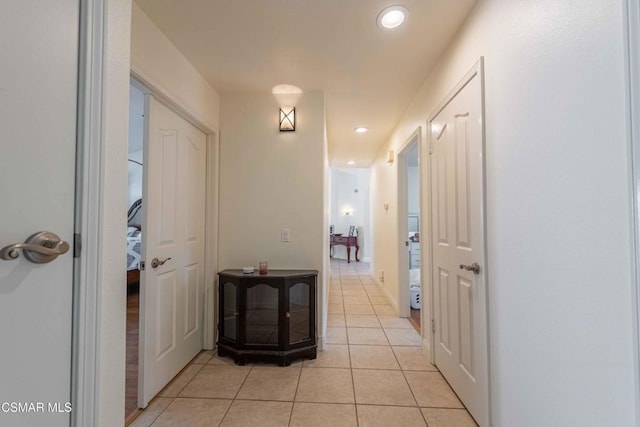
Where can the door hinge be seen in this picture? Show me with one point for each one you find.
(433, 325)
(141, 266)
(77, 245)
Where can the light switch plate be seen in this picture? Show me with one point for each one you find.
(284, 235)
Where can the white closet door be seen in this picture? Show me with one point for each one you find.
(460, 295)
(171, 319)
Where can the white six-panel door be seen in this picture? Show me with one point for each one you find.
(173, 231)
(38, 92)
(458, 241)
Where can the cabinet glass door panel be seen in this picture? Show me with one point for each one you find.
(261, 315)
(229, 322)
(299, 312)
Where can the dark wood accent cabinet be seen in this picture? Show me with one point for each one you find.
(267, 317)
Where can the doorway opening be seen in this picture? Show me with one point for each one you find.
(134, 244)
(349, 232)
(171, 233)
(409, 231)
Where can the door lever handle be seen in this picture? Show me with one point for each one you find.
(155, 263)
(475, 267)
(39, 248)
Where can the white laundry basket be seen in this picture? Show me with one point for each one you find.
(415, 297)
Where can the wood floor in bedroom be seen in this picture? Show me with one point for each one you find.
(133, 328)
(414, 318)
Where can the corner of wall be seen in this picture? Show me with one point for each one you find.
(112, 299)
(159, 63)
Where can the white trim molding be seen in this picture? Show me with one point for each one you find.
(85, 384)
(632, 41)
(212, 242)
(402, 275)
(147, 85)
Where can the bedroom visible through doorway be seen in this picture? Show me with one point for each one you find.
(413, 233)
(134, 245)
(350, 229)
(410, 230)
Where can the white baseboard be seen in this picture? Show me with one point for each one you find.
(322, 343)
(392, 302)
(426, 348)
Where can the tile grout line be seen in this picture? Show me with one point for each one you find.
(161, 412)
(173, 398)
(295, 395)
(411, 390)
(409, 385)
(236, 395)
(353, 381)
(189, 382)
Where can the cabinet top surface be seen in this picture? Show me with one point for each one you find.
(270, 273)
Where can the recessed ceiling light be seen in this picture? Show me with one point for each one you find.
(392, 17)
(360, 129)
(351, 163)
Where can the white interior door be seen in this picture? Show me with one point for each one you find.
(172, 294)
(38, 90)
(460, 295)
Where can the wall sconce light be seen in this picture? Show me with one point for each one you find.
(348, 211)
(390, 156)
(287, 119)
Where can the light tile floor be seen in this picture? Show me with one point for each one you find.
(373, 373)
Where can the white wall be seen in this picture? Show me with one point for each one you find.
(136, 136)
(133, 41)
(413, 189)
(557, 189)
(270, 180)
(344, 198)
(157, 60)
(344, 183)
(323, 297)
(136, 131)
(134, 177)
(111, 348)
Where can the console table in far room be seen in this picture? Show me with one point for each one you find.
(347, 241)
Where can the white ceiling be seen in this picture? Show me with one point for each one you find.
(369, 75)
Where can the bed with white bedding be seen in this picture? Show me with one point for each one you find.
(134, 242)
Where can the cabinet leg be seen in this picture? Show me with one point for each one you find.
(348, 254)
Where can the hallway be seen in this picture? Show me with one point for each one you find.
(373, 373)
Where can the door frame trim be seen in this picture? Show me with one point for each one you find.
(147, 85)
(632, 83)
(403, 296)
(86, 337)
(476, 70)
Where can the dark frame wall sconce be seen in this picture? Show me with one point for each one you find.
(287, 119)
